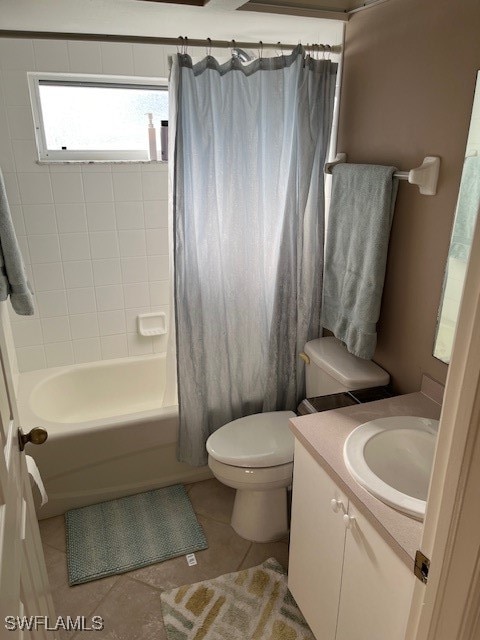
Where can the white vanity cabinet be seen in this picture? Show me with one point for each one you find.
(348, 583)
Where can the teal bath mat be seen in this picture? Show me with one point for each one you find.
(128, 533)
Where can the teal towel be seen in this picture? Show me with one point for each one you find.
(467, 208)
(13, 279)
(361, 213)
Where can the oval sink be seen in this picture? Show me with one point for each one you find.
(392, 458)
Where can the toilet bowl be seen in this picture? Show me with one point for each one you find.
(254, 455)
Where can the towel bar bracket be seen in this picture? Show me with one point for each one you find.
(425, 176)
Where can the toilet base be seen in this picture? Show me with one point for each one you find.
(260, 516)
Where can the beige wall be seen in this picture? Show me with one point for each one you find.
(408, 84)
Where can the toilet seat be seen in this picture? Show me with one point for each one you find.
(256, 441)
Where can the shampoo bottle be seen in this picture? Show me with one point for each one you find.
(152, 138)
(164, 139)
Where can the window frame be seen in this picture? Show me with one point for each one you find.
(48, 156)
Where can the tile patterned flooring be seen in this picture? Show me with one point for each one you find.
(130, 603)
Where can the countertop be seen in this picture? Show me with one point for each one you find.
(324, 434)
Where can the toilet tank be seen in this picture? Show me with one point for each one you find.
(332, 369)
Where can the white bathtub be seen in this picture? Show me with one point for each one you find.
(109, 434)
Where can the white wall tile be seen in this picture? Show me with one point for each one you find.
(59, 354)
(111, 322)
(156, 214)
(85, 57)
(132, 243)
(27, 333)
(71, 218)
(148, 60)
(17, 219)
(110, 298)
(131, 318)
(154, 187)
(107, 272)
(75, 246)
(157, 242)
(101, 216)
(20, 121)
(16, 54)
(159, 293)
(31, 358)
(25, 156)
(134, 270)
(139, 345)
(136, 295)
(81, 300)
(52, 303)
(87, 350)
(127, 187)
(160, 344)
(104, 244)
(35, 188)
(51, 55)
(158, 268)
(67, 187)
(55, 329)
(78, 274)
(44, 248)
(114, 346)
(15, 88)
(12, 188)
(117, 58)
(129, 215)
(39, 219)
(84, 325)
(98, 187)
(49, 276)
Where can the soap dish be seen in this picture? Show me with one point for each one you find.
(152, 324)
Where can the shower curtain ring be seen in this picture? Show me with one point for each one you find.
(180, 44)
(260, 50)
(185, 45)
(233, 47)
(208, 48)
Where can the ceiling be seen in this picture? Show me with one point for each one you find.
(329, 9)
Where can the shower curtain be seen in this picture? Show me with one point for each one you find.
(249, 144)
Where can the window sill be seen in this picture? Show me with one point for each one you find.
(67, 162)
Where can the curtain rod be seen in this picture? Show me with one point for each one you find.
(192, 42)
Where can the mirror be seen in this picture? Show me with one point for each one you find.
(464, 224)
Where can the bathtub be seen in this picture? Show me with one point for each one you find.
(109, 433)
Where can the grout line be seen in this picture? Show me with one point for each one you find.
(245, 556)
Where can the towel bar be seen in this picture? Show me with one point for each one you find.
(425, 176)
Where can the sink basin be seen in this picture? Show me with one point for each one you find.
(392, 459)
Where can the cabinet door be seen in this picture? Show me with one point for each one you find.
(377, 587)
(317, 541)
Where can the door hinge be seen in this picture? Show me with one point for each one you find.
(422, 566)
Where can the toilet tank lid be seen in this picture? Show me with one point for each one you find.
(332, 356)
(259, 440)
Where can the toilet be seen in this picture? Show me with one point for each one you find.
(254, 455)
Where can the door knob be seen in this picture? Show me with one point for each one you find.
(37, 435)
(348, 521)
(336, 505)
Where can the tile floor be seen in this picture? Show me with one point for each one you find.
(130, 603)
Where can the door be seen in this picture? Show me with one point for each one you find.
(317, 541)
(24, 588)
(377, 586)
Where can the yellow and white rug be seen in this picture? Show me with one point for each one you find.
(254, 604)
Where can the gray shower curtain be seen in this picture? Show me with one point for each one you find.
(248, 202)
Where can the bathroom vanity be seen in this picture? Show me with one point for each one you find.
(351, 555)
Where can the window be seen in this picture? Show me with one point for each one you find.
(88, 118)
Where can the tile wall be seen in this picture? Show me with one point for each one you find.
(93, 236)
